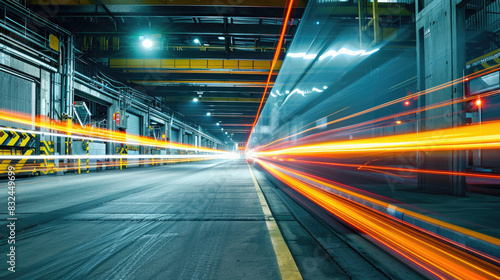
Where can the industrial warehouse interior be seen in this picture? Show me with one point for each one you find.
(250, 139)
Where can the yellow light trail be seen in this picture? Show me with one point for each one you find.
(401, 99)
(30, 167)
(480, 136)
(438, 257)
(97, 134)
(402, 169)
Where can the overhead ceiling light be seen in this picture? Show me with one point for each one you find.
(226, 132)
(222, 38)
(196, 41)
(221, 128)
(195, 99)
(147, 43)
(217, 124)
(208, 114)
(317, 23)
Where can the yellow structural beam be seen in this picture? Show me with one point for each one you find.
(197, 71)
(138, 63)
(249, 83)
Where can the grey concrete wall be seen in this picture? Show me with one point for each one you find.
(441, 57)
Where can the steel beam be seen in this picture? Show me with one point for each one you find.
(118, 11)
(247, 3)
(164, 28)
(185, 53)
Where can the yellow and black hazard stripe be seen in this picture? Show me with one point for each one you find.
(87, 146)
(47, 148)
(22, 166)
(483, 62)
(17, 139)
(17, 143)
(123, 151)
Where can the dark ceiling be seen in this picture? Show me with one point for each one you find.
(217, 51)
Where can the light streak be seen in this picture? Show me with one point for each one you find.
(88, 133)
(426, 250)
(334, 53)
(273, 63)
(19, 157)
(401, 99)
(484, 136)
(73, 166)
(401, 169)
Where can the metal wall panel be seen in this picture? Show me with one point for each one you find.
(17, 95)
(133, 128)
(175, 135)
(133, 124)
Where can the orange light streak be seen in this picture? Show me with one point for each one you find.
(484, 136)
(411, 96)
(436, 256)
(104, 134)
(409, 170)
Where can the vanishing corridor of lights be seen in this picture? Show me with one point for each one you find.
(438, 257)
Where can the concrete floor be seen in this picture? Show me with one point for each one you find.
(188, 221)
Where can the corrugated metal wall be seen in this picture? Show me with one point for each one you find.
(18, 95)
(133, 128)
(133, 124)
(175, 135)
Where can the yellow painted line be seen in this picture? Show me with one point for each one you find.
(485, 65)
(288, 267)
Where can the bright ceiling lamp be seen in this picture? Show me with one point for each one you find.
(147, 43)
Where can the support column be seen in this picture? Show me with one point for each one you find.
(441, 58)
(181, 135)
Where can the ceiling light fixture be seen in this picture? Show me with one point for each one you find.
(147, 43)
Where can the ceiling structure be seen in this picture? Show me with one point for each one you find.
(216, 52)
